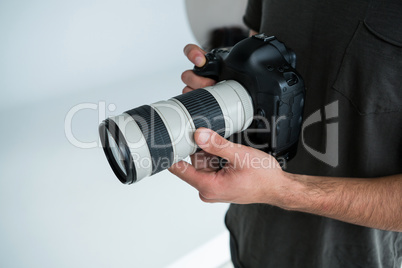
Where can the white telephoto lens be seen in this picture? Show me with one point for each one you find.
(153, 137)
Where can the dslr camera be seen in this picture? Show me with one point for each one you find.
(258, 101)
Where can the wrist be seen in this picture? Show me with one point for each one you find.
(292, 194)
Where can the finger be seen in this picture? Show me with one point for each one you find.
(195, 54)
(189, 174)
(215, 144)
(195, 81)
(206, 200)
(203, 199)
(205, 161)
(187, 89)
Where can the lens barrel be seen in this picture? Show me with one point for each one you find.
(151, 138)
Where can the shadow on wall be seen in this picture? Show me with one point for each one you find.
(217, 23)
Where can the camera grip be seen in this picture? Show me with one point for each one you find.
(211, 68)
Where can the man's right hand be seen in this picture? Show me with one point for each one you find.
(196, 55)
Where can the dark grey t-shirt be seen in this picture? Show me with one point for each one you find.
(350, 55)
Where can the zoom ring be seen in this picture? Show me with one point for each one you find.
(204, 110)
(156, 136)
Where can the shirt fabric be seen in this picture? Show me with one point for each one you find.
(350, 56)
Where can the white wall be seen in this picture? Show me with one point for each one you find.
(52, 47)
(60, 205)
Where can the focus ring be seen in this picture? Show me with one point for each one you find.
(156, 136)
(204, 110)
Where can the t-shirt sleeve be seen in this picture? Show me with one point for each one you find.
(252, 17)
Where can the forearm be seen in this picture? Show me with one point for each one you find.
(375, 203)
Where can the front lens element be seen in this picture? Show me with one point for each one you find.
(117, 153)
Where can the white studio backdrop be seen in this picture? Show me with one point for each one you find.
(61, 205)
(49, 48)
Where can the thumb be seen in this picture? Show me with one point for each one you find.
(211, 142)
(195, 54)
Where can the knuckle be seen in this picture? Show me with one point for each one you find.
(219, 143)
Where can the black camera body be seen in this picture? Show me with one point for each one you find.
(265, 67)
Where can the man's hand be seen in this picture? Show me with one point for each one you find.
(241, 179)
(249, 175)
(196, 55)
(252, 176)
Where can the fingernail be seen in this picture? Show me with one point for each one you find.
(203, 137)
(199, 61)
